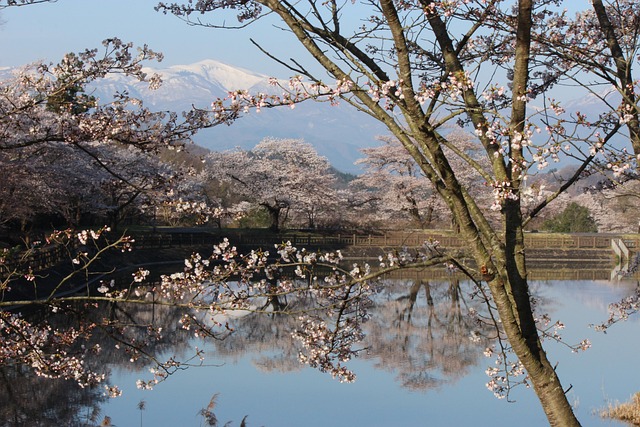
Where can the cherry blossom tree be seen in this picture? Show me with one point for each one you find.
(49, 103)
(134, 179)
(399, 183)
(24, 193)
(614, 209)
(47, 113)
(394, 185)
(58, 180)
(281, 175)
(417, 66)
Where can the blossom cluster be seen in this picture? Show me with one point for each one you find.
(502, 191)
(621, 310)
(203, 211)
(237, 102)
(404, 256)
(504, 375)
(390, 91)
(84, 235)
(328, 349)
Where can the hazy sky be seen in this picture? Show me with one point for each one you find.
(48, 31)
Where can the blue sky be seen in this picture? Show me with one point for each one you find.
(48, 31)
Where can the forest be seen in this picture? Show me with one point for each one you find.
(279, 184)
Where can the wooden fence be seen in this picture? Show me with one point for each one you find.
(390, 239)
(534, 273)
(35, 259)
(396, 239)
(40, 259)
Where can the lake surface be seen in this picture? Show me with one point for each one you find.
(421, 368)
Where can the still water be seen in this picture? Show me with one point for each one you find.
(421, 368)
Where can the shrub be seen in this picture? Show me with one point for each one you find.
(574, 219)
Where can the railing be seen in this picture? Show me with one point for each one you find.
(533, 274)
(40, 259)
(532, 240)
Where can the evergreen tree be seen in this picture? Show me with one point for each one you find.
(574, 219)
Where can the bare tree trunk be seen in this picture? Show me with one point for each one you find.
(274, 216)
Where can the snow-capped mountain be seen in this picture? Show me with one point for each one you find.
(593, 104)
(338, 133)
(185, 85)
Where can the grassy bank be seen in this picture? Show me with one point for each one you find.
(628, 412)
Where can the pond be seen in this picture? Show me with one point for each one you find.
(421, 368)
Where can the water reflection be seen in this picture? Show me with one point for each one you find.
(121, 337)
(419, 331)
(31, 401)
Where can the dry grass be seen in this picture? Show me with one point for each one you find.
(628, 412)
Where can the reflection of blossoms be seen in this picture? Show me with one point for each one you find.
(420, 329)
(35, 351)
(113, 391)
(209, 293)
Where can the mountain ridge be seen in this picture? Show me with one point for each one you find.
(337, 133)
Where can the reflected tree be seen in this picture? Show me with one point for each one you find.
(422, 330)
(31, 400)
